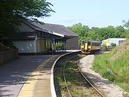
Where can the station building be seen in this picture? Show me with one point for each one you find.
(71, 42)
(116, 41)
(38, 37)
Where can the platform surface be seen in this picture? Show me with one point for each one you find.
(39, 83)
(14, 75)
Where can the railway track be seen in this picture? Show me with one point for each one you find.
(85, 81)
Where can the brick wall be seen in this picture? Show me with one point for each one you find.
(6, 56)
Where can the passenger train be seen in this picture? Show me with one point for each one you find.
(90, 46)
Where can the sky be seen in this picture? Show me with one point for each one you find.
(94, 13)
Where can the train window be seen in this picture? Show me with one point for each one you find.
(83, 42)
(96, 44)
(89, 43)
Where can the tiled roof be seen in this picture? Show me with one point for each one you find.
(60, 29)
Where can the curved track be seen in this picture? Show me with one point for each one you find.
(69, 94)
(87, 80)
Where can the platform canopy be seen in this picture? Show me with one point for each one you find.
(55, 29)
(30, 30)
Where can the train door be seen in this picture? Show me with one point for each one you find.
(82, 45)
(86, 46)
(89, 46)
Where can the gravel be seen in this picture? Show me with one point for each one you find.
(107, 87)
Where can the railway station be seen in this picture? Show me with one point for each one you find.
(51, 63)
(40, 45)
(54, 48)
(37, 37)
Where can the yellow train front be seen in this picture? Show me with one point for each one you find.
(90, 46)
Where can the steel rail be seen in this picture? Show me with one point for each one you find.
(83, 75)
(64, 76)
(53, 91)
(87, 80)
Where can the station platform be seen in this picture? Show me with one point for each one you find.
(68, 51)
(28, 76)
(38, 84)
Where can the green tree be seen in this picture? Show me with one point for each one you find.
(81, 30)
(120, 32)
(13, 11)
(126, 24)
(95, 33)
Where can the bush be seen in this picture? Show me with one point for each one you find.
(113, 45)
(109, 74)
(6, 46)
(115, 65)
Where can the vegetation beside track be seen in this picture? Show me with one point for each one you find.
(95, 33)
(77, 85)
(3, 47)
(115, 65)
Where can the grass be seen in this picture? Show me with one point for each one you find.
(76, 83)
(115, 65)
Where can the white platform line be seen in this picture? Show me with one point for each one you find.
(53, 92)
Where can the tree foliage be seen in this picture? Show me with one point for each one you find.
(80, 29)
(12, 12)
(95, 33)
(126, 24)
